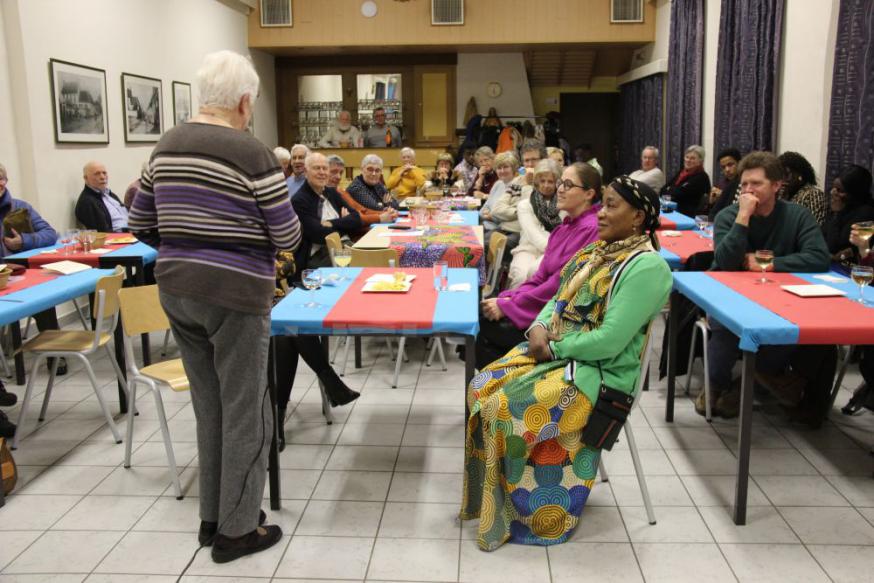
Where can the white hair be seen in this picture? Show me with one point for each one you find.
(409, 151)
(282, 154)
(224, 78)
(296, 147)
(312, 158)
(655, 151)
(335, 160)
(371, 159)
(699, 150)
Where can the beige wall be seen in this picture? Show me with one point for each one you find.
(166, 39)
(548, 98)
(487, 22)
(476, 70)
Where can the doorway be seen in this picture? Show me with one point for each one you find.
(593, 118)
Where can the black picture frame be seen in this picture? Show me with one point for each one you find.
(79, 107)
(181, 100)
(142, 108)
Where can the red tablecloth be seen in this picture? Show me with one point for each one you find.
(30, 278)
(686, 245)
(411, 310)
(92, 259)
(815, 317)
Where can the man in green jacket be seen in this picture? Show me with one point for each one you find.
(759, 220)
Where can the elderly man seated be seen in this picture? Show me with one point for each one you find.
(649, 172)
(321, 211)
(407, 179)
(368, 190)
(98, 207)
(380, 134)
(342, 134)
(336, 168)
(298, 174)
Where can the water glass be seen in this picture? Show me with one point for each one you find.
(441, 275)
(312, 280)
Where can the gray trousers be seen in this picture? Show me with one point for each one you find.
(225, 356)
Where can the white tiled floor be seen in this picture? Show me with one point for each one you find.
(374, 496)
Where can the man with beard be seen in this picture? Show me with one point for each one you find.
(342, 134)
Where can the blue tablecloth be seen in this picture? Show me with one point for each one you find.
(454, 313)
(133, 251)
(469, 218)
(49, 294)
(754, 324)
(683, 222)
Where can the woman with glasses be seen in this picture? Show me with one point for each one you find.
(368, 189)
(540, 415)
(504, 319)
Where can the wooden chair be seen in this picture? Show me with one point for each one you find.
(495, 257)
(77, 344)
(333, 243)
(141, 313)
(434, 195)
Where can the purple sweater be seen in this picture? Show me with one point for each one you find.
(523, 304)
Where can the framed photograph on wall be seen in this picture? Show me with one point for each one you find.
(79, 103)
(181, 102)
(143, 112)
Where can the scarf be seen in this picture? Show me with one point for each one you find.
(585, 281)
(685, 174)
(546, 210)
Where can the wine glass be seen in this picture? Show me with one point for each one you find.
(764, 258)
(865, 229)
(312, 280)
(862, 276)
(66, 237)
(90, 237)
(703, 224)
(342, 258)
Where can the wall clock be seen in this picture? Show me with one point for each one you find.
(368, 9)
(494, 89)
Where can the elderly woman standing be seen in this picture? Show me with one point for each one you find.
(538, 216)
(230, 211)
(407, 179)
(367, 189)
(534, 435)
(691, 184)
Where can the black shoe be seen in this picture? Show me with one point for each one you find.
(262, 538)
(280, 418)
(208, 529)
(7, 399)
(62, 366)
(7, 427)
(337, 391)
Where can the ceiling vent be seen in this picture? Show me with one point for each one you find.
(447, 12)
(626, 11)
(275, 13)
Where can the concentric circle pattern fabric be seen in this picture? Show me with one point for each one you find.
(527, 473)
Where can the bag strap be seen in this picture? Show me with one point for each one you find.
(622, 267)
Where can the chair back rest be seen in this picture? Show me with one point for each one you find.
(333, 242)
(141, 311)
(110, 285)
(373, 257)
(645, 354)
(434, 195)
(497, 244)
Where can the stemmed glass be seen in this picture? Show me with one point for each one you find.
(342, 258)
(312, 280)
(90, 237)
(862, 276)
(765, 259)
(66, 238)
(703, 224)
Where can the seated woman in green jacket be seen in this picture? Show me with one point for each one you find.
(528, 471)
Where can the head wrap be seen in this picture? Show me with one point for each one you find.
(642, 197)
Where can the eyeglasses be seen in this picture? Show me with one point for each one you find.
(371, 170)
(567, 185)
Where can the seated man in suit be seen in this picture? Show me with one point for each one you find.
(798, 376)
(321, 211)
(98, 207)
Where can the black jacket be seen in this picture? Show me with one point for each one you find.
(725, 199)
(307, 205)
(690, 194)
(92, 213)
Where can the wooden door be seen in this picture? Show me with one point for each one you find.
(435, 105)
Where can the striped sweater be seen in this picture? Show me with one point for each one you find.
(220, 204)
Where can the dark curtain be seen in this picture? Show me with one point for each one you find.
(851, 124)
(685, 82)
(747, 73)
(641, 105)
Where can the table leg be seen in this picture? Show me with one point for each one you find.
(672, 331)
(20, 377)
(358, 352)
(744, 437)
(273, 457)
(144, 338)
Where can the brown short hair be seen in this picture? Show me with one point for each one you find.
(767, 161)
(588, 177)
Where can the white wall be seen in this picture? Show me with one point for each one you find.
(476, 70)
(165, 39)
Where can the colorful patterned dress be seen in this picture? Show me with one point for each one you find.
(527, 472)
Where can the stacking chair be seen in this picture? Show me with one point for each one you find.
(434, 195)
(80, 344)
(377, 258)
(629, 433)
(141, 313)
(333, 243)
(702, 328)
(495, 256)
